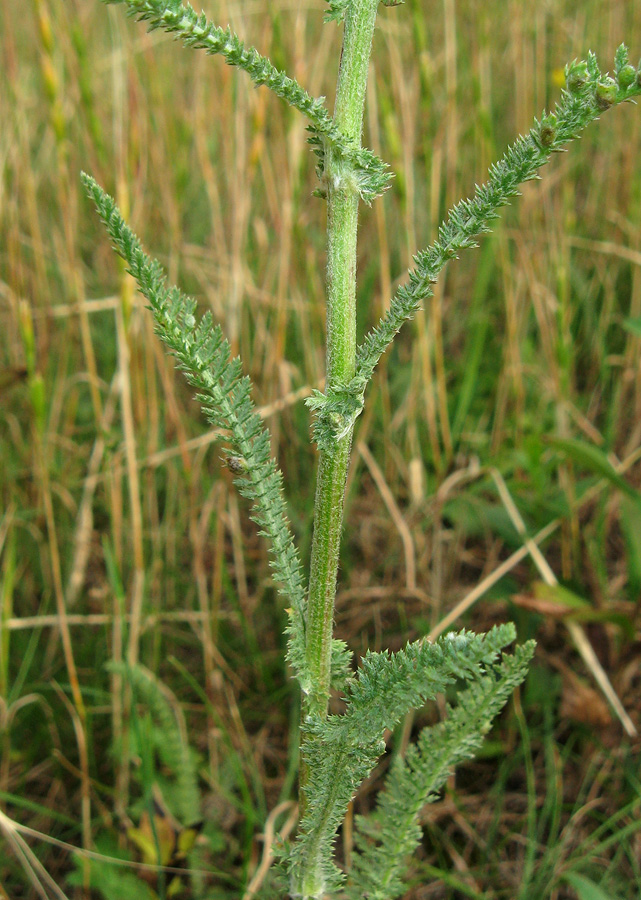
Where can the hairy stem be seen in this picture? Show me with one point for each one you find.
(342, 223)
(342, 226)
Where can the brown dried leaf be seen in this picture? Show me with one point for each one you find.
(582, 703)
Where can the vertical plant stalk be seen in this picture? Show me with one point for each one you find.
(42, 463)
(67, 195)
(342, 227)
(342, 224)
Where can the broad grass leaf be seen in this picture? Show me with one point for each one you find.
(586, 889)
(631, 528)
(633, 326)
(590, 457)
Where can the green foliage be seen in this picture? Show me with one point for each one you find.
(578, 107)
(336, 412)
(342, 750)
(586, 889)
(368, 171)
(590, 457)
(386, 838)
(336, 12)
(338, 8)
(174, 748)
(588, 94)
(110, 881)
(224, 392)
(339, 751)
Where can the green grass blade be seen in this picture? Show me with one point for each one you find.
(590, 457)
(586, 889)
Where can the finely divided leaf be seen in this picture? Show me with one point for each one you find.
(371, 175)
(224, 392)
(176, 752)
(341, 751)
(388, 836)
(336, 11)
(588, 95)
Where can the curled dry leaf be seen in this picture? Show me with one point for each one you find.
(582, 703)
(542, 605)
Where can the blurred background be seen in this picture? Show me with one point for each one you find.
(143, 688)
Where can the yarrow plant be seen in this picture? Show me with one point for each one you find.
(339, 751)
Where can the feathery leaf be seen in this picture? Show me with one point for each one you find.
(336, 11)
(341, 750)
(587, 95)
(176, 753)
(224, 392)
(388, 836)
(368, 173)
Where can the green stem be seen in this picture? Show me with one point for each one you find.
(342, 224)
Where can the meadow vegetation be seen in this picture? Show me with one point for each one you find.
(496, 470)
